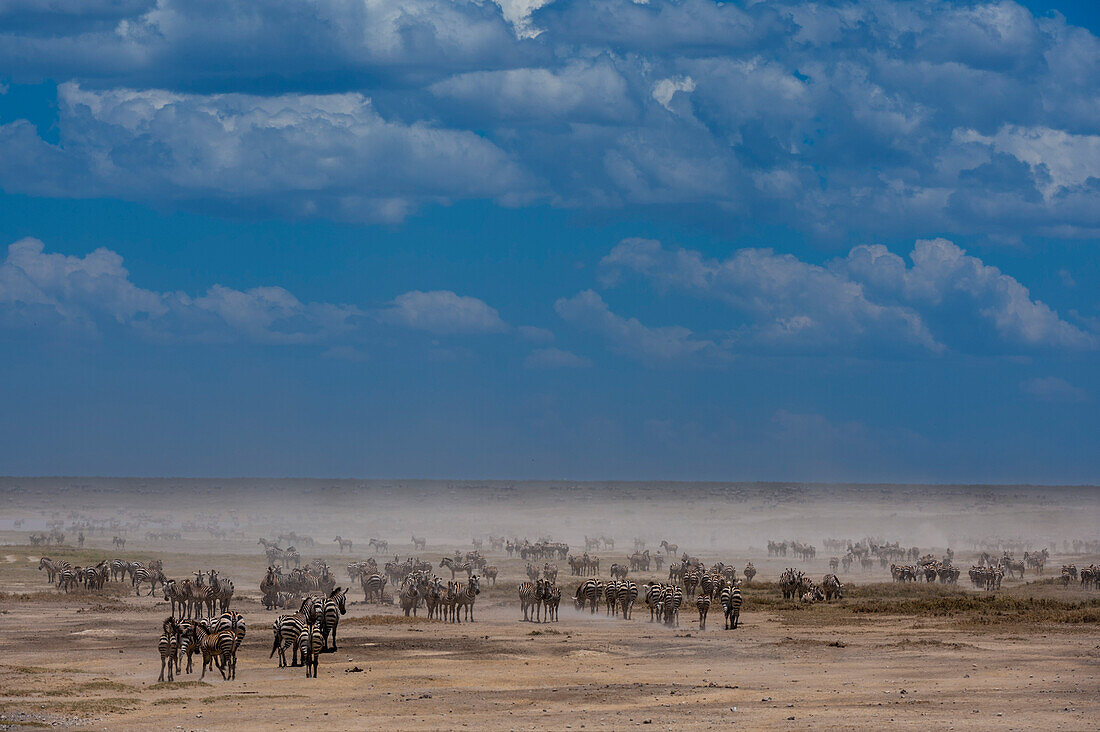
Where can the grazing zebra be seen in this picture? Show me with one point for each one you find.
(118, 569)
(168, 645)
(587, 592)
(373, 585)
(530, 597)
(344, 543)
(419, 544)
(311, 643)
(731, 606)
(702, 604)
(628, 594)
(380, 546)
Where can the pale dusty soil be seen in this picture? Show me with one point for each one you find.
(92, 662)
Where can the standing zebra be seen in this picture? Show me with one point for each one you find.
(334, 606)
(731, 606)
(702, 604)
(373, 585)
(463, 596)
(168, 645)
(311, 643)
(628, 594)
(287, 630)
(530, 596)
(587, 592)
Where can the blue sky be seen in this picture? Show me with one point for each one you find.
(529, 239)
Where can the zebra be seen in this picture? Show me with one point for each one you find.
(218, 648)
(287, 630)
(530, 595)
(380, 546)
(670, 549)
(652, 599)
(168, 645)
(551, 598)
(832, 587)
(231, 621)
(671, 599)
(174, 595)
(702, 604)
(373, 584)
(409, 598)
(628, 593)
(731, 606)
(455, 566)
(333, 607)
(419, 544)
(343, 543)
(311, 643)
(587, 592)
(611, 597)
(463, 596)
(223, 590)
(51, 567)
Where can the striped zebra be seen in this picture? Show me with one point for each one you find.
(652, 599)
(611, 597)
(287, 630)
(118, 569)
(690, 581)
(231, 621)
(66, 578)
(168, 645)
(51, 567)
(731, 606)
(219, 649)
(702, 604)
(552, 599)
(334, 606)
(409, 598)
(174, 594)
(530, 599)
(628, 594)
(671, 599)
(373, 585)
(463, 597)
(588, 592)
(311, 643)
(187, 645)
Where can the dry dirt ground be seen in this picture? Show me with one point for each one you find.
(90, 661)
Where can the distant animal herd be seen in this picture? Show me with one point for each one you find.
(203, 622)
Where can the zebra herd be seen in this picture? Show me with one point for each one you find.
(797, 585)
(208, 592)
(805, 552)
(309, 632)
(54, 537)
(278, 590)
(217, 639)
(65, 576)
(1089, 576)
